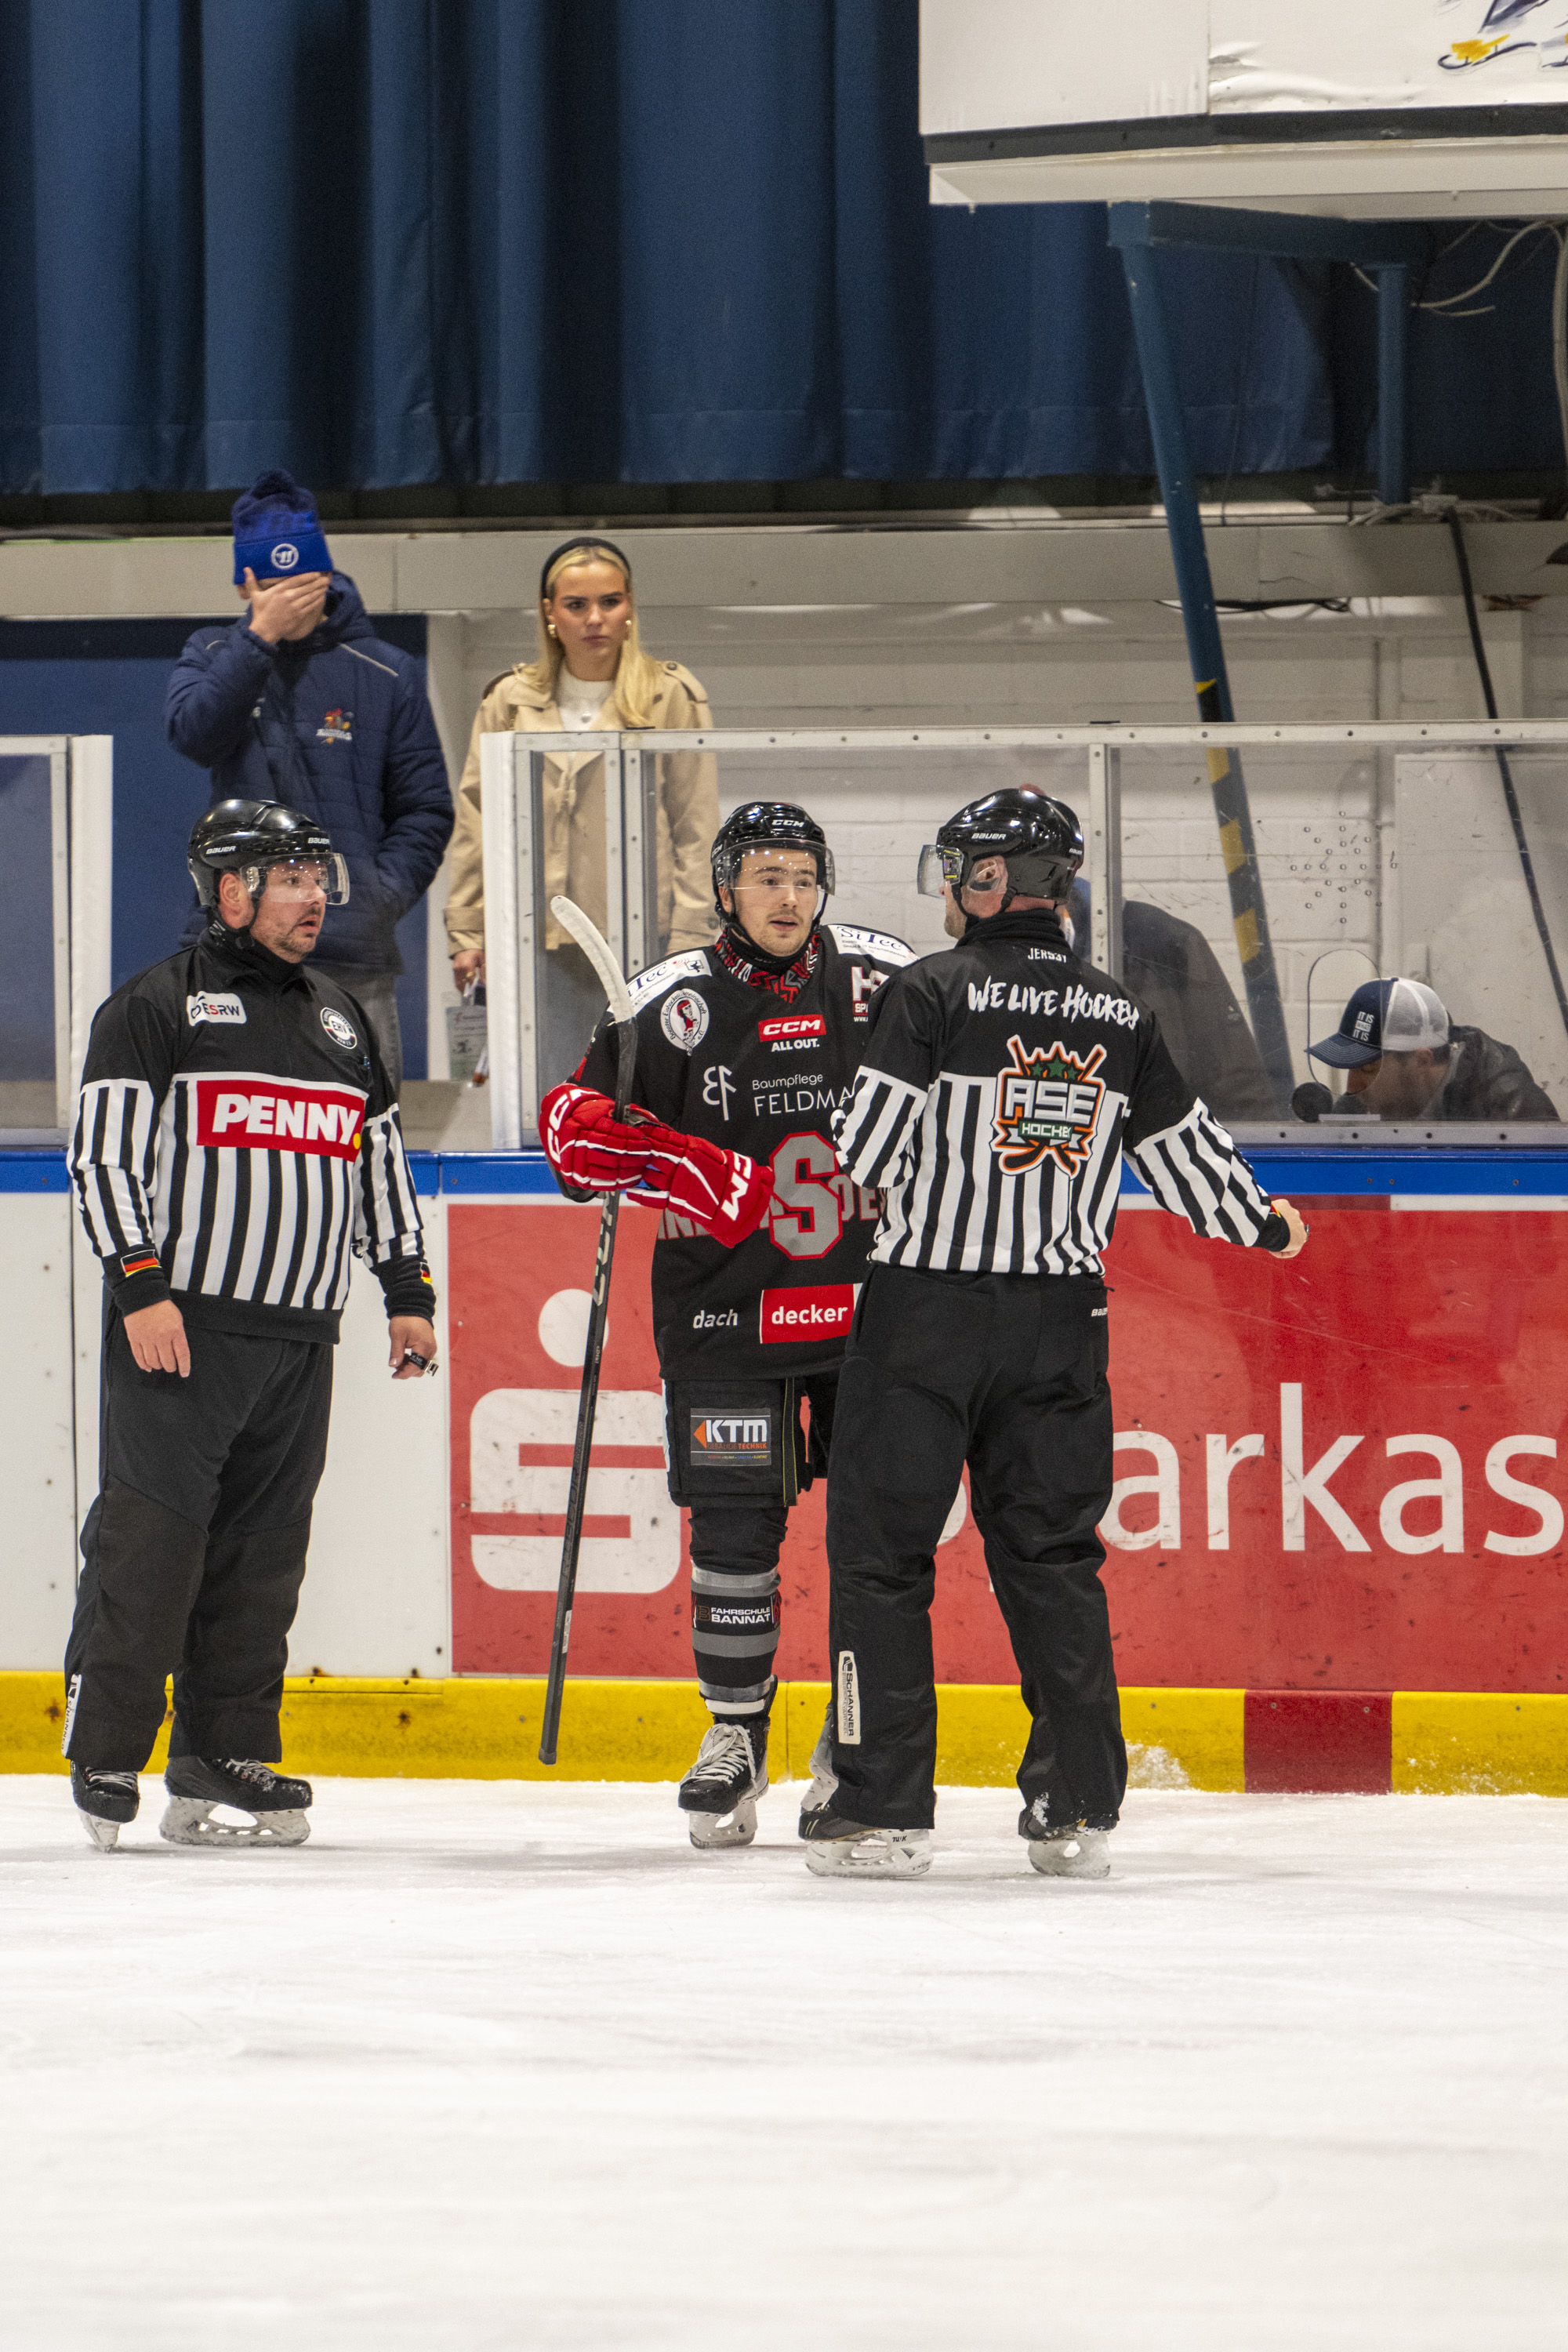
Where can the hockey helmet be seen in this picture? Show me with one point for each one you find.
(247, 838)
(769, 824)
(1039, 837)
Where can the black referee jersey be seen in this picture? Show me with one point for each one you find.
(236, 1138)
(1000, 1085)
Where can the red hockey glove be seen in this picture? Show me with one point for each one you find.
(722, 1192)
(587, 1145)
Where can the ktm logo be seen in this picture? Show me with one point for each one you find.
(1048, 1108)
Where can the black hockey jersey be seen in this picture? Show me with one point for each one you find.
(1000, 1086)
(761, 1073)
(235, 1137)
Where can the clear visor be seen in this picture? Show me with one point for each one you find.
(771, 876)
(937, 867)
(302, 877)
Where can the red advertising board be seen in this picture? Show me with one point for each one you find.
(1339, 1473)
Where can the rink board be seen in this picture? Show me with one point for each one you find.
(484, 1729)
(1339, 1474)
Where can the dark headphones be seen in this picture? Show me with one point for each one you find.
(589, 538)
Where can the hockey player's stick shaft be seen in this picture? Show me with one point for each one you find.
(625, 1063)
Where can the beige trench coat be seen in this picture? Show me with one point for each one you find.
(575, 816)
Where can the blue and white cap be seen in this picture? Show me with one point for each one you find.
(277, 531)
(1385, 1016)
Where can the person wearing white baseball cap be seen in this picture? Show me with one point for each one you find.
(1404, 1059)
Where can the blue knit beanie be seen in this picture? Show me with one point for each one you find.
(277, 531)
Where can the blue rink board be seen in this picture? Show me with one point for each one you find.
(1347, 1171)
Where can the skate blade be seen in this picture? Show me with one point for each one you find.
(1086, 1855)
(188, 1822)
(105, 1835)
(712, 1831)
(876, 1853)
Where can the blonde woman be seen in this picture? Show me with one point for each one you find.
(591, 672)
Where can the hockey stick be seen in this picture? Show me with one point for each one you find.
(597, 949)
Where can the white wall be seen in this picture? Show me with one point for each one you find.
(37, 1473)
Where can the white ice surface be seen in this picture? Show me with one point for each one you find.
(496, 2066)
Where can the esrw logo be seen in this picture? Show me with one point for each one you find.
(1048, 1108)
(336, 726)
(732, 1437)
(202, 1007)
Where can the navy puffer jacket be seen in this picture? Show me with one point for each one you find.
(338, 727)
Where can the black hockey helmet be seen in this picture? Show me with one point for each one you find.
(768, 824)
(1039, 837)
(246, 837)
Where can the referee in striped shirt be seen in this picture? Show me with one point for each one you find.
(1000, 1086)
(237, 1141)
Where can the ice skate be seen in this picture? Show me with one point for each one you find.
(823, 1779)
(836, 1847)
(196, 1784)
(721, 1792)
(106, 1801)
(1065, 1850)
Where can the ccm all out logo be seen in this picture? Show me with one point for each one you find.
(269, 1114)
(792, 1029)
(1048, 1108)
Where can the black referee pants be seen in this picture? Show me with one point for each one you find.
(1006, 1372)
(194, 1550)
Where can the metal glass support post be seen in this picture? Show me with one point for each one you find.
(1105, 857)
(1205, 652)
(1394, 384)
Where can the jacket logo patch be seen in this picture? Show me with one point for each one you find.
(337, 727)
(684, 1019)
(338, 1029)
(202, 1007)
(270, 1115)
(1048, 1108)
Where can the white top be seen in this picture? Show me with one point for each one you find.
(580, 699)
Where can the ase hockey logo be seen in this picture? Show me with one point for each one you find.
(1048, 1108)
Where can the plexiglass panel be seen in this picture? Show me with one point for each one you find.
(28, 1027)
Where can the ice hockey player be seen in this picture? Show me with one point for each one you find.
(1000, 1086)
(745, 1050)
(236, 1135)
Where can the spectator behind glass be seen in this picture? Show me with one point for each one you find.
(1171, 968)
(1404, 1059)
(591, 672)
(302, 702)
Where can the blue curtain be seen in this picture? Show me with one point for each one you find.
(388, 242)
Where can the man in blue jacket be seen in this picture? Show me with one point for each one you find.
(302, 702)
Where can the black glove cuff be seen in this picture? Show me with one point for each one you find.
(1276, 1233)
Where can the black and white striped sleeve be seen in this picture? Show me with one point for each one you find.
(388, 1232)
(114, 1146)
(1196, 1171)
(872, 1129)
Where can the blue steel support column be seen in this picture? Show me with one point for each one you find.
(1206, 654)
(1393, 385)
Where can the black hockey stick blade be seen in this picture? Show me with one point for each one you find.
(600, 954)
